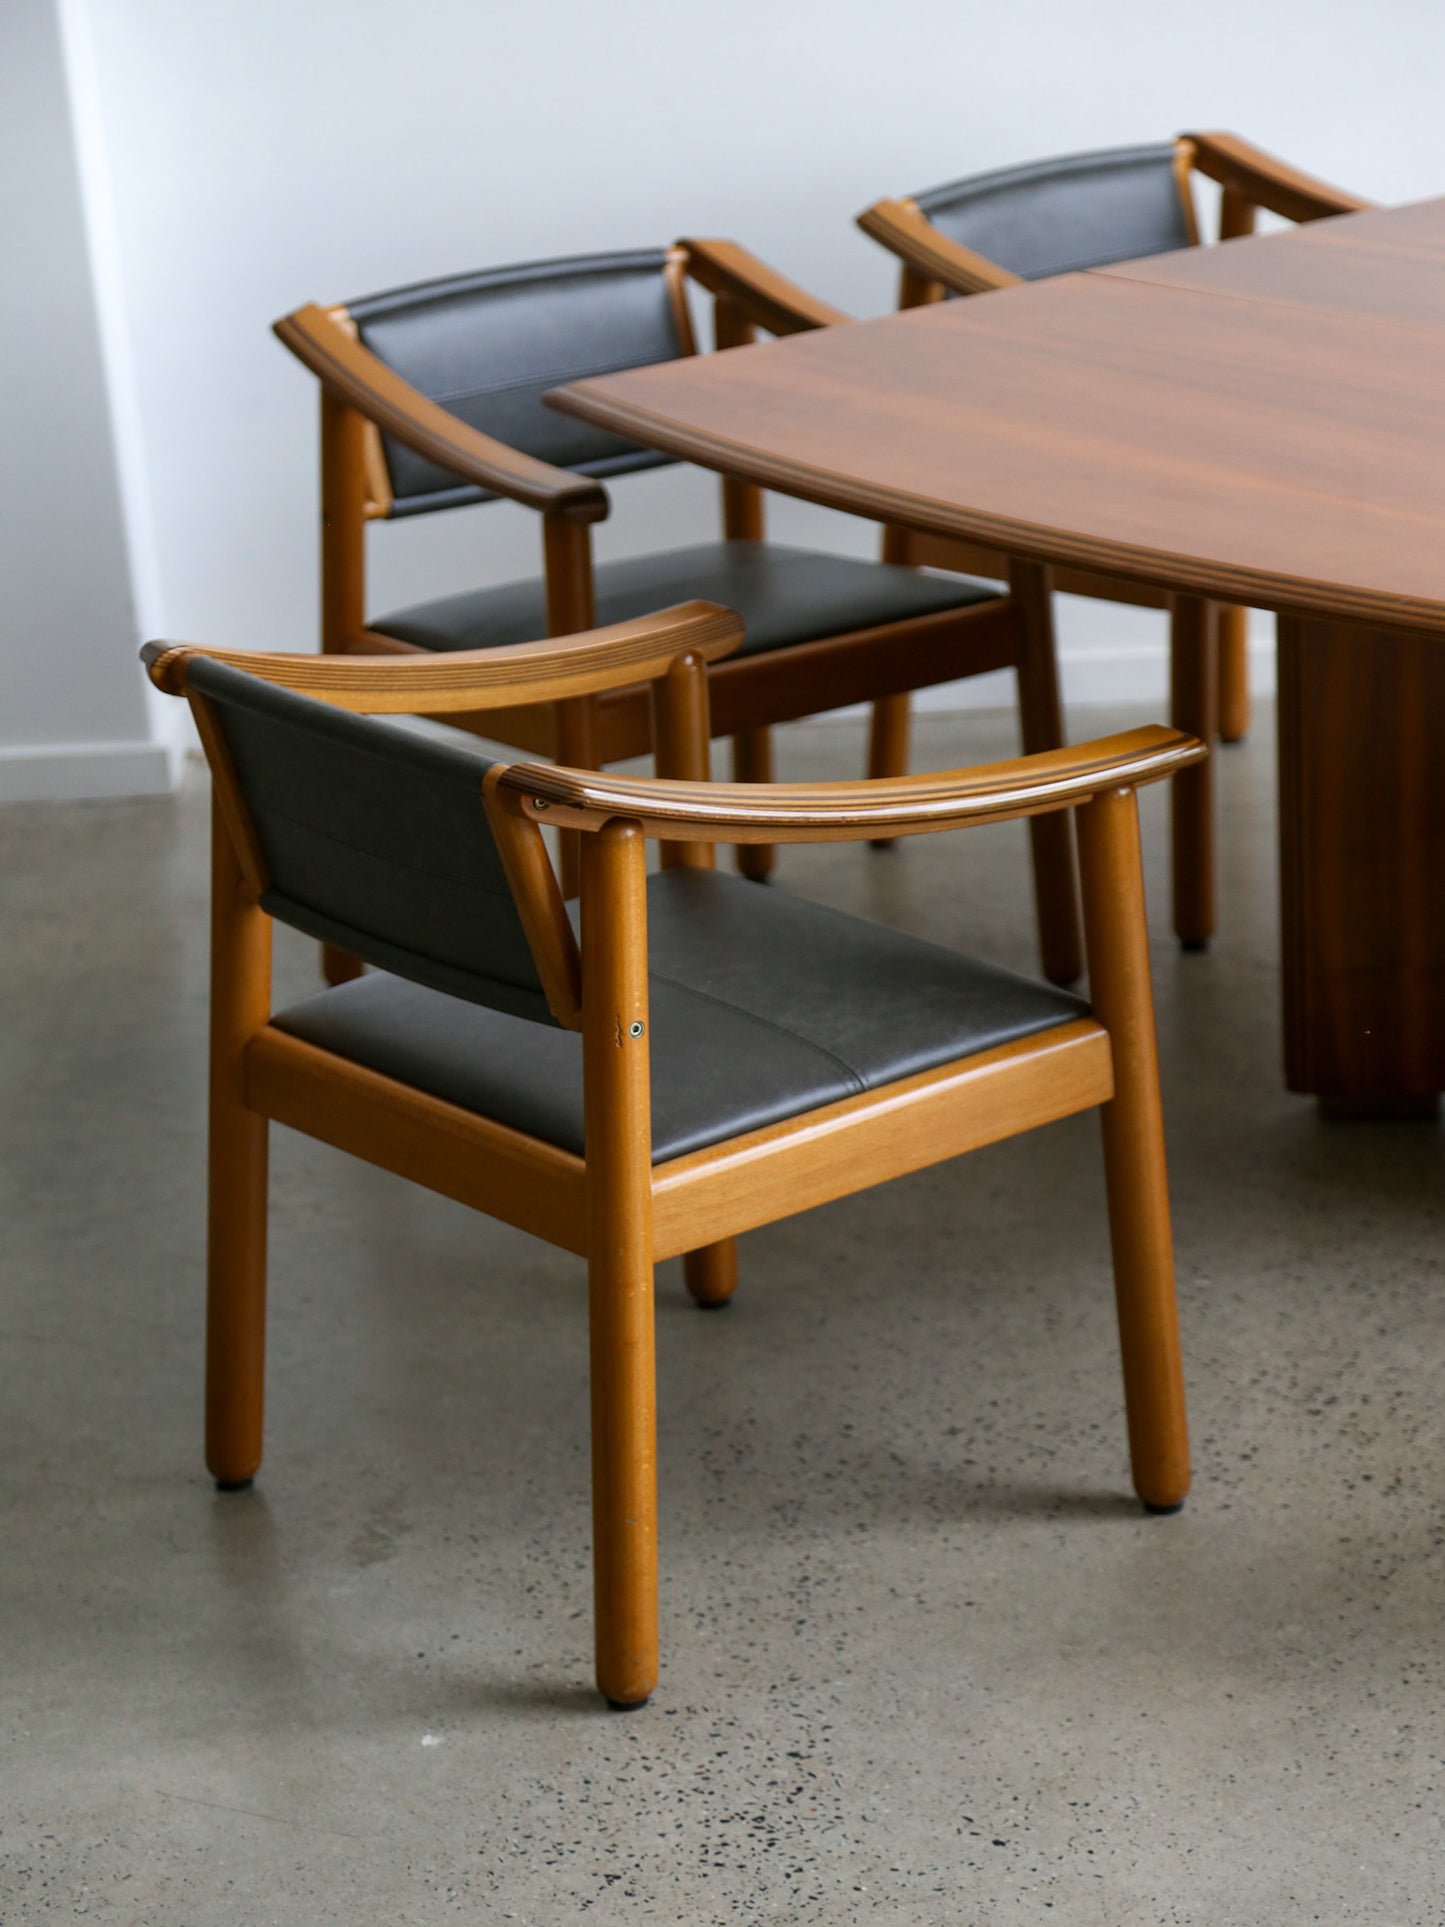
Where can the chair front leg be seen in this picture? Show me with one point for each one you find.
(1232, 645)
(891, 724)
(753, 763)
(888, 734)
(1041, 726)
(1133, 1128)
(619, 1261)
(236, 1212)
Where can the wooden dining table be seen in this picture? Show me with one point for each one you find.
(1258, 423)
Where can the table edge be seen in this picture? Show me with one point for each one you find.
(1186, 575)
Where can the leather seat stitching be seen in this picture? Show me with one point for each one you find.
(468, 887)
(771, 1023)
(964, 593)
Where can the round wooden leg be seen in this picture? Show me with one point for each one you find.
(711, 1273)
(1133, 1125)
(753, 763)
(888, 746)
(339, 966)
(1232, 642)
(619, 1266)
(1193, 705)
(1041, 725)
(236, 1204)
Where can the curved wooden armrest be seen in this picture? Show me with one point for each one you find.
(478, 679)
(357, 377)
(910, 235)
(849, 812)
(767, 298)
(1267, 182)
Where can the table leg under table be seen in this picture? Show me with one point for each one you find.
(1362, 866)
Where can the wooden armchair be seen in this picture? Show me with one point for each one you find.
(781, 1055)
(431, 397)
(1055, 217)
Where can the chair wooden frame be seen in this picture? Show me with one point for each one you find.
(361, 397)
(618, 1208)
(1209, 672)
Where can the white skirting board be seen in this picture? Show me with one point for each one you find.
(1109, 655)
(97, 772)
(85, 772)
(1128, 672)
(1098, 677)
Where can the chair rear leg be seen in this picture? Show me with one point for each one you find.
(1232, 643)
(236, 1300)
(1134, 1164)
(1041, 727)
(888, 736)
(344, 440)
(577, 749)
(711, 1273)
(753, 763)
(339, 966)
(1193, 705)
(236, 1227)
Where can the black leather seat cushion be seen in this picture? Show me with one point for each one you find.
(762, 1006)
(783, 595)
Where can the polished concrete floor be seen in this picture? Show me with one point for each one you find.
(924, 1659)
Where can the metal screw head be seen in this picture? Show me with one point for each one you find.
(635, 1029)
(540, 803)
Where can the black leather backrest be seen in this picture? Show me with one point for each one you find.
(376, 840)
(1054, 217)
(489, 346)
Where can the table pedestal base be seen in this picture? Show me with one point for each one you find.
(1362, 866)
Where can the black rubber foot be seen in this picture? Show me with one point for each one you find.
(1233, 742)
(1194, 944)
(234, 1485)
(626, 1706)
(712, 1304)
(1162, 1511)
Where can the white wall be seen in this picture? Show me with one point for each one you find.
(266, 153)
(74, 719)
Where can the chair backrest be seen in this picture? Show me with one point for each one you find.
(488, 346)
(374, 838)
(1080, 211)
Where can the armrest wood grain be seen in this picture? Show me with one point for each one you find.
(767, 298)
(1268, 182)
(904, 231)
(849, 812)
(364, 383)
(478, 679)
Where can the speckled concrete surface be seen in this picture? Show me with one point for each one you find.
(924, 1661)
